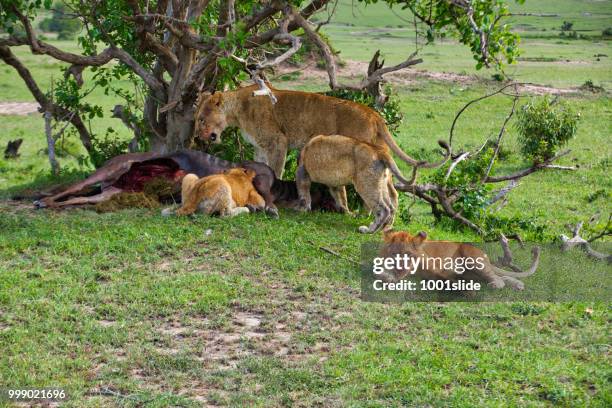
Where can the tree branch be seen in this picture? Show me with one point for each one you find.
(10, 59)
(40, 47)
(535, 167)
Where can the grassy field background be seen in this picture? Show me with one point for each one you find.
(133, 309)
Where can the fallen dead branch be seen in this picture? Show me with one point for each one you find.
(332, 252)
(577, 241)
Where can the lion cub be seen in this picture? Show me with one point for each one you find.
(433, 256)
(227, 194)
(337, 161)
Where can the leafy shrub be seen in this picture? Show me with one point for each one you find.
(465, 179)
(15, 29)
(104, 149)
(528, 227)
(544, 127)
(498, 77)
(567, 26)
(607, 32)
(390, 112)
(590, 86)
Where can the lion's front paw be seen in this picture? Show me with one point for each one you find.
(166, 212)
(302, 206)
(364, 230)
(272, 212)
(497, 284)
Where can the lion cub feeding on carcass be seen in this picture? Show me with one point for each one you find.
(337, 161)
(227, 194)
(432, 257)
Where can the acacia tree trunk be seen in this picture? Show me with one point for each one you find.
(179, 130)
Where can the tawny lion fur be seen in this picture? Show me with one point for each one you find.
(290, 123)
(337, 161)
(400, 242)
(226, 194)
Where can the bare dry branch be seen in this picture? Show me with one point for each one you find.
(500, 136)
(577, 241)
(473, 101)
(503, 192)
(10, 59)
(455, 162)
(535, 167)
(330, 62)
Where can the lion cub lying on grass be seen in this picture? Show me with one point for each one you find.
(337, 161)
(227, 194)
(435, 254)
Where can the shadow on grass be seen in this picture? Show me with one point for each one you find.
(42, 182)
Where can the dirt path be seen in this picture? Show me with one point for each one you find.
(352, 71)
(18, 108)
(355, 70)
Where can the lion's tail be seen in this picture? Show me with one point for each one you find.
(391, 165)
(388, 138)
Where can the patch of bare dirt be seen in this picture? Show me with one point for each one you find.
(246, 333)
(354, 71)
(16, 205)
(546, 90)
(107, 323)
(277, 328)
(18, 108)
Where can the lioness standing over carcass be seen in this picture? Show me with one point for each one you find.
(291, 122)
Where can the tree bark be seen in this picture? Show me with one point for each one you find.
(51, 143)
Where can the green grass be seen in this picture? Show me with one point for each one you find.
(136, 300)
(573, 61)
(133, 309)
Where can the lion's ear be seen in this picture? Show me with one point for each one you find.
(217, 98)
(201, 98)
(420, 238)
(251, 173)
(388, 235)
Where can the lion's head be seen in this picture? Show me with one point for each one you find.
(210, 120)
(402, 243)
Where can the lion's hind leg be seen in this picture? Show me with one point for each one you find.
(236, 211)
(303, 182)
(190, 194)
(373, 190)
(217, 198)
(339, 195)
